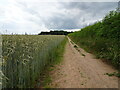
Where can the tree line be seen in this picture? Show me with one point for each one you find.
(55, 33)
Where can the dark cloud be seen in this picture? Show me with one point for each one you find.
(73, 14)
(61, 21)
(85, 12)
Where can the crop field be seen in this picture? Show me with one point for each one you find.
(25, 57)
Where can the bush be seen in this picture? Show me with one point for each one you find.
(101, 38)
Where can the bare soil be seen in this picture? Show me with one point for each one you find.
(80, 69)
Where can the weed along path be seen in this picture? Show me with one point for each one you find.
(80, 69)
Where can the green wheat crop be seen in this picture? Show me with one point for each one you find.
(24, 57)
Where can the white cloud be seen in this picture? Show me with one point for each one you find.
(33, 16)
(25, 16)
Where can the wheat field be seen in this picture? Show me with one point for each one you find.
(25, 57)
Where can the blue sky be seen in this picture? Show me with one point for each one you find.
(34, 16)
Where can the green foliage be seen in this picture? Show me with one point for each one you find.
(25, 57)
(101, 38)
(113, 74)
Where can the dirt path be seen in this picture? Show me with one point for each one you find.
(80, 69)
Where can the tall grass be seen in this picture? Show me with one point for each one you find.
(45, 77)
(25, 57)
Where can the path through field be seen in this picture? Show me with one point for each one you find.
(80, 69)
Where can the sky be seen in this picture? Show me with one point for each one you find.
(34, 16)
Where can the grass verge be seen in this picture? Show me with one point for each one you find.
(45, 77)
